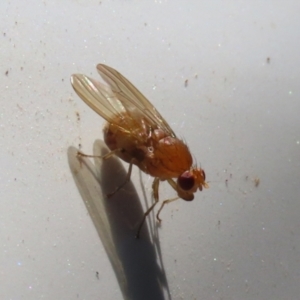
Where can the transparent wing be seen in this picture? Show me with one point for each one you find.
(131, 97)
(103, 101)
(120, 103)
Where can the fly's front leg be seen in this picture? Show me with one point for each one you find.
(173, 184)
(155, 186)
(162, 205)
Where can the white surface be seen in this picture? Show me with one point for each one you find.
(240, 116)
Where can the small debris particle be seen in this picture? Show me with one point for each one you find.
(256, 181)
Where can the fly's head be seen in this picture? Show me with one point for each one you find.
(189, 182)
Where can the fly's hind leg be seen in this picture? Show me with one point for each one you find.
(155, 186)
(106, 156)
(127, 178)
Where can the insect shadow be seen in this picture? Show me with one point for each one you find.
(137, 264)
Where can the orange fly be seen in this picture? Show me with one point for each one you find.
(137, 133)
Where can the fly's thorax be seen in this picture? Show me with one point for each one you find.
(167, 157)
(174, 154)
(158, 134)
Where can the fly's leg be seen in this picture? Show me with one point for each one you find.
(163, 204)
(106, 156)
(155, 186)
(127, 178)
(173, 184)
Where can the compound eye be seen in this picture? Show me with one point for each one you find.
(186, 180)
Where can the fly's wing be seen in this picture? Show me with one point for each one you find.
(131, 97)
(103, 101)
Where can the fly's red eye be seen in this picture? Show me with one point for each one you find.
(186, 180)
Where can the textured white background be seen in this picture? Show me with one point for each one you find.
(239, 113)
